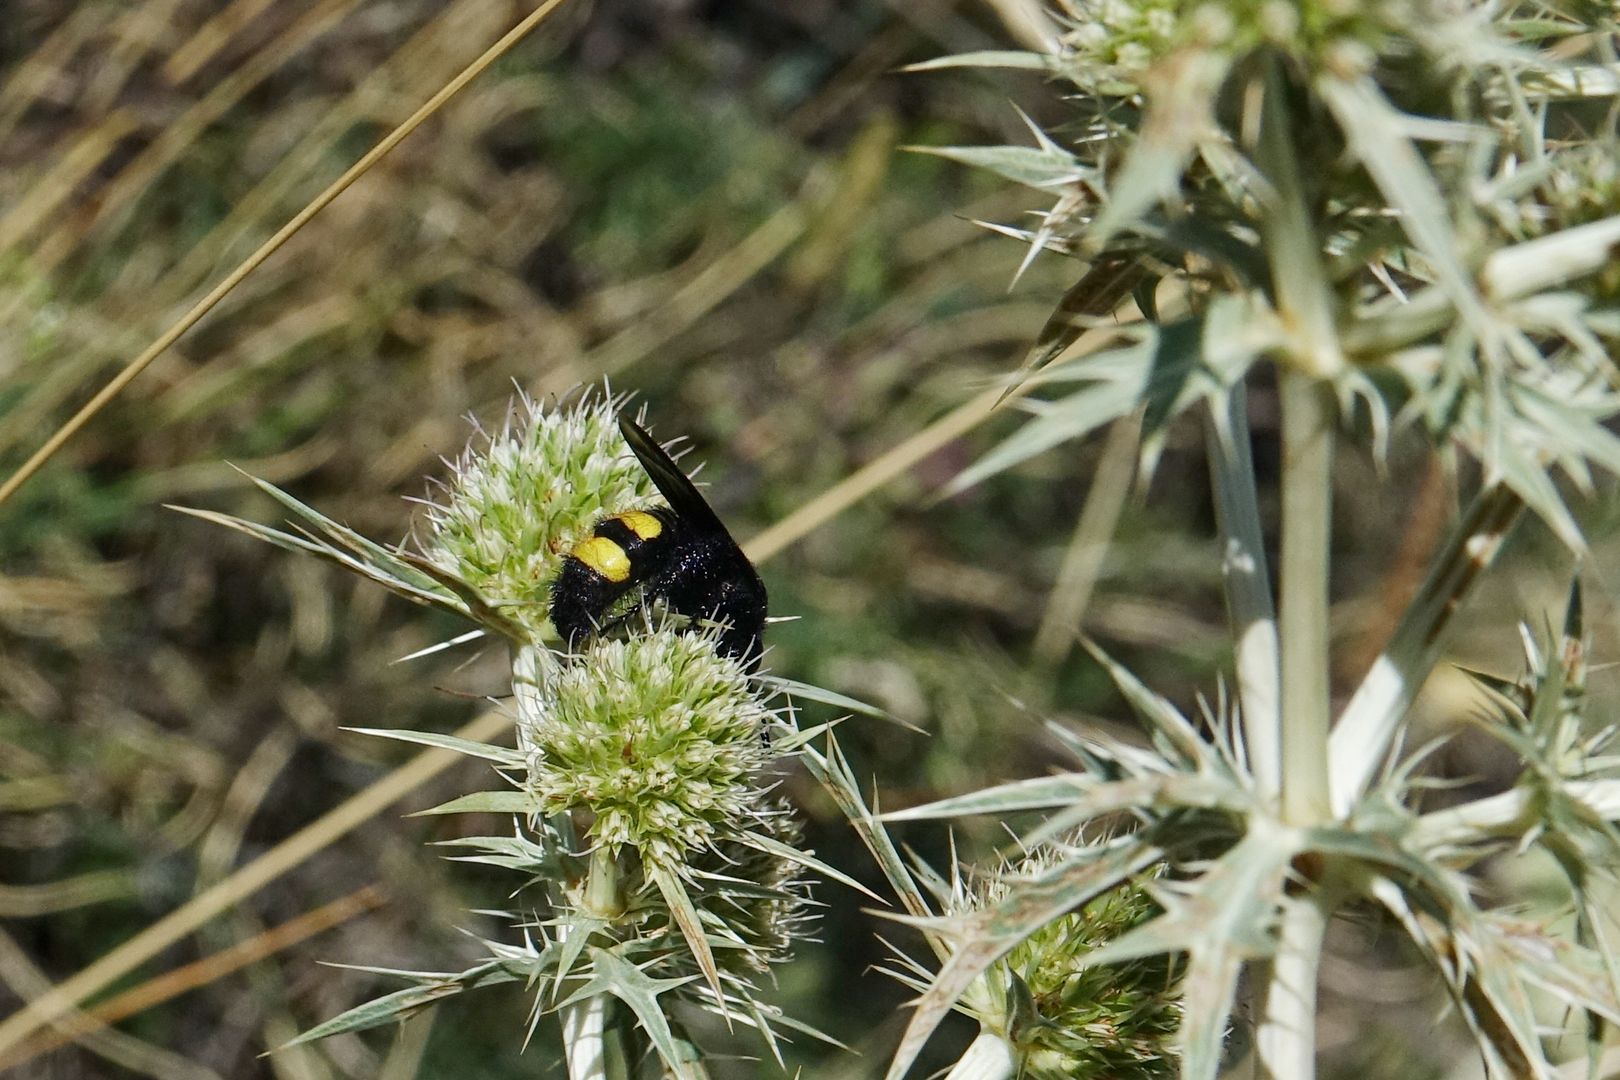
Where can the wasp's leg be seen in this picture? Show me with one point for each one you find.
(736, 604)
(742, 609)
(580, 601)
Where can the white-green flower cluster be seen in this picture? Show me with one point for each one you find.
(514, 506)
(1123, 40)
(658, 737)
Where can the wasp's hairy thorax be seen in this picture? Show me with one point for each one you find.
(679, 556)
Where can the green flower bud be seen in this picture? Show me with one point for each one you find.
(1115, 1021)
(517, 502)
(768, 912)
(658, 737)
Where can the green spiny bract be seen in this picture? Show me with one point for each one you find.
(514, 507)
(658, 738)
(762, 899)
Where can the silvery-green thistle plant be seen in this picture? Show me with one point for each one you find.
(656, 868)
(1405, 214)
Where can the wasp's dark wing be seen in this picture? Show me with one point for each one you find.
(679, 491)
(701, 572)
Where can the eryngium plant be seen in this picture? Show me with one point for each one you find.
(655, 868)
(1408, 212)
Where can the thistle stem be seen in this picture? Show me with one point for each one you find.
(988, 1057)
(1285, 1040)
(604, 886)
(1307, 505)
(1305, 303)
(584, 1027)
(595, 1040)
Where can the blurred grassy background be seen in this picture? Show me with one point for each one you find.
(705, 203)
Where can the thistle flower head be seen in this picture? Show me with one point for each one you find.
(658, 737)
(1123, 39)
(1067, 1020)
(1573, 186)
(516, 502)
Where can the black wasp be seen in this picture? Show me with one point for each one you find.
(679, 554)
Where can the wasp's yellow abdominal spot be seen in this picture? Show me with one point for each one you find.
(603, 556)
(643, 524)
